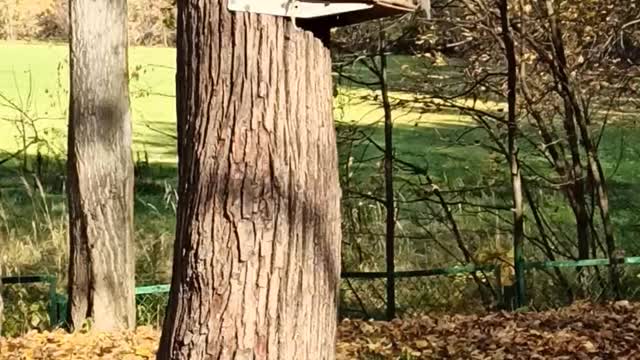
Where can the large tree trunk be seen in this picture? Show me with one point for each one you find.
(257, 254)
(100, 168)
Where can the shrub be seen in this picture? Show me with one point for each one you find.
(151, 22)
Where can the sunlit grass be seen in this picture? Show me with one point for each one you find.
(34, 79)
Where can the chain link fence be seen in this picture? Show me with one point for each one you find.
(362, 298)
(442, 294)
(151, 303)
(32, 303)
(27, 304)
(553, 287)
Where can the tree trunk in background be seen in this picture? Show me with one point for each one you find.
(100, 168)
(512, 156)
(570, 118)
(1, 305)
(257, 258)
(389, 201)
(571, 96)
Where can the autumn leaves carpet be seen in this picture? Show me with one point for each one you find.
(581, 331)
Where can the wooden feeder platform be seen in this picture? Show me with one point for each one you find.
(332, 13)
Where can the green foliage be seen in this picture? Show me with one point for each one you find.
(151, 22)
(25, 309)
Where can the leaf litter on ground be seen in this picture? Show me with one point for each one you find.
(581, 331)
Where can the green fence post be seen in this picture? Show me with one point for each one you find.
(61, 309)
(518, 261)
(52, 308)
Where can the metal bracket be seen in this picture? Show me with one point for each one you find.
(302, 9)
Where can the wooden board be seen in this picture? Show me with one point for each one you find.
(348, 11)
(303, 9)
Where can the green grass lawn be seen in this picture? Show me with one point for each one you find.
(35, 78)
(34, 90)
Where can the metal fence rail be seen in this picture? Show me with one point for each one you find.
(363, 293)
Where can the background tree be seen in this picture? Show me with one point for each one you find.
(257, 252)
(1, 305)
(462, 69)
(100, 168)
(512, 145)
(566, 92)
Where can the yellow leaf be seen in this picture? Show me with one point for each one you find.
(146, 353)
(589, 347)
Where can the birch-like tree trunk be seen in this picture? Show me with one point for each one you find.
(100, 168)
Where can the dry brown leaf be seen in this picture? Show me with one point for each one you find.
(581, 331)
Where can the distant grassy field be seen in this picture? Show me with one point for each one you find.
(35, 78)
(34, 96)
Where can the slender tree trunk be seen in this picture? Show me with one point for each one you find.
(603, 203)
(583, 220)
(571, 99)
(257, 255)
(514, 165)
(595, 171)
(100, 168)
(575, 187)
(1, 305)
(581, 214)
(388, 185)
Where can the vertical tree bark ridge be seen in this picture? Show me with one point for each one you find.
(257, 256)
(100, 168)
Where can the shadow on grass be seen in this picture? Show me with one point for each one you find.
(452, 156)
(455, 157)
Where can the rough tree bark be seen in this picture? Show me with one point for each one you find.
(100, 168)
(257, 253)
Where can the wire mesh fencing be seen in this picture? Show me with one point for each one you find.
(462, 293)
(32, 303)
(554, 287)
(27, 304)
(471, 289)
(362, 298)
(150, 309)
(457, 289)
